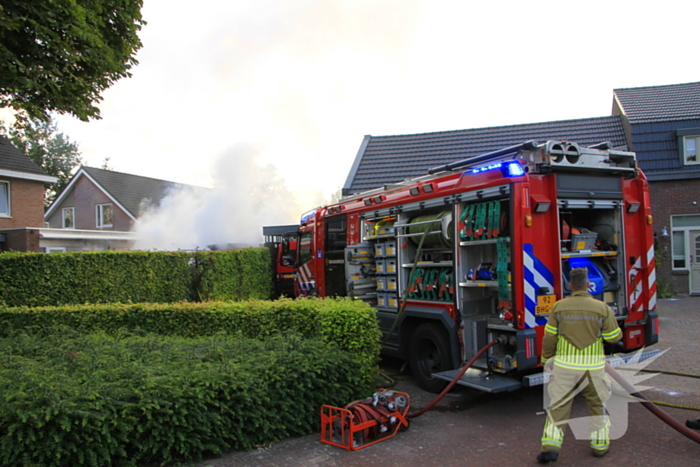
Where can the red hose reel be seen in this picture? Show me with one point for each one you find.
(365, 422)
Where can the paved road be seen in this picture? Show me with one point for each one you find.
(470, 428)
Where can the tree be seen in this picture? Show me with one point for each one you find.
(105, 164)
(50, 150)
(59, 56)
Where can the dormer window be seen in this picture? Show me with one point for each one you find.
(689, 145)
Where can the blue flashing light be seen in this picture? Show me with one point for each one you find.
(308, 216)
(509, 169)
(487, 168)
(514, 169)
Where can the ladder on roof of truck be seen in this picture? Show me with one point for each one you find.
(556, 155)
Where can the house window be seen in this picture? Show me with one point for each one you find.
(678, 249)
(68, 218)
(4, 199)
(681, 227)
(691, 145)
(104, 215)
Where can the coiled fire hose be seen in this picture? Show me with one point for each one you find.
(682, 429)
(383, 405)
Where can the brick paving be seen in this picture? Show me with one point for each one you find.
(471, 428)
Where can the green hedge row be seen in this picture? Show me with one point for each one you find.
(36, 279)
(352, 325)
(71, 398)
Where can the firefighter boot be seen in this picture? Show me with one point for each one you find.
(545, 457)
(694, 424)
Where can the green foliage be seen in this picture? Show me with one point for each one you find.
(50, 150)
(93, 399)
(35, 279)
(351, 325)
(60, 56)
(244, 275)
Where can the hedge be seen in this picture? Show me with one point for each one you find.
(352, 325)
(36, 279)
(97, 399)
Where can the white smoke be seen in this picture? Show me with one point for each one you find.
(245, 197)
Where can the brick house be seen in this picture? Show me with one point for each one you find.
(21, 199)
(98, 208)
(660, 123)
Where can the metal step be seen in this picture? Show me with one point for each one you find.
(615, 361)
(482, 380)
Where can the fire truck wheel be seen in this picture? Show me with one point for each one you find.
(429, 354)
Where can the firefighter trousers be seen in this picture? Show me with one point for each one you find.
(564, 385)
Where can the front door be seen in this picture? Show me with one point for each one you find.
(694, 261)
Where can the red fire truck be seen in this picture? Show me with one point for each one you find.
(479, 250)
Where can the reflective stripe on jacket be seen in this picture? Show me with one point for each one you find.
(575, 331)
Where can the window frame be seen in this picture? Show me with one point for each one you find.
(8, 197)
(683, 136)
(679, 239)
(63, 217)
(99, 215)
(695, 138)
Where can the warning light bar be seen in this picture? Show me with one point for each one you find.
(509, 169)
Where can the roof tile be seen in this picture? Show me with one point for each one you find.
(660, 103)
(391, 159)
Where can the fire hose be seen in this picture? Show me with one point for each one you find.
(453, 382)
(682, 429)
(365, 422)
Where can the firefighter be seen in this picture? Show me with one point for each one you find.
(572, 351)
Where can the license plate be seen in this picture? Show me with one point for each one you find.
(545, 304)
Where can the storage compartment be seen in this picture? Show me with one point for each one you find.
(390, 249)
(585, 240)
(386, 266)
(602, 278)
(383, 249)
(387, 300)
(380, 250)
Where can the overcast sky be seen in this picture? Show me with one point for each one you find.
(294, 85)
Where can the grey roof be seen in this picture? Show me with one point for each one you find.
(132, 191)
(383, 160)
(660, 103)
(13, 159)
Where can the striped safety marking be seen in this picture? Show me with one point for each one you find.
(305, 281)
(636, 280)
(635, 298)
(536, 276)
(651, 262)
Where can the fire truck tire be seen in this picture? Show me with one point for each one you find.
(430, 353)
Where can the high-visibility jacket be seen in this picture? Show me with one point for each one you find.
(575, 331)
